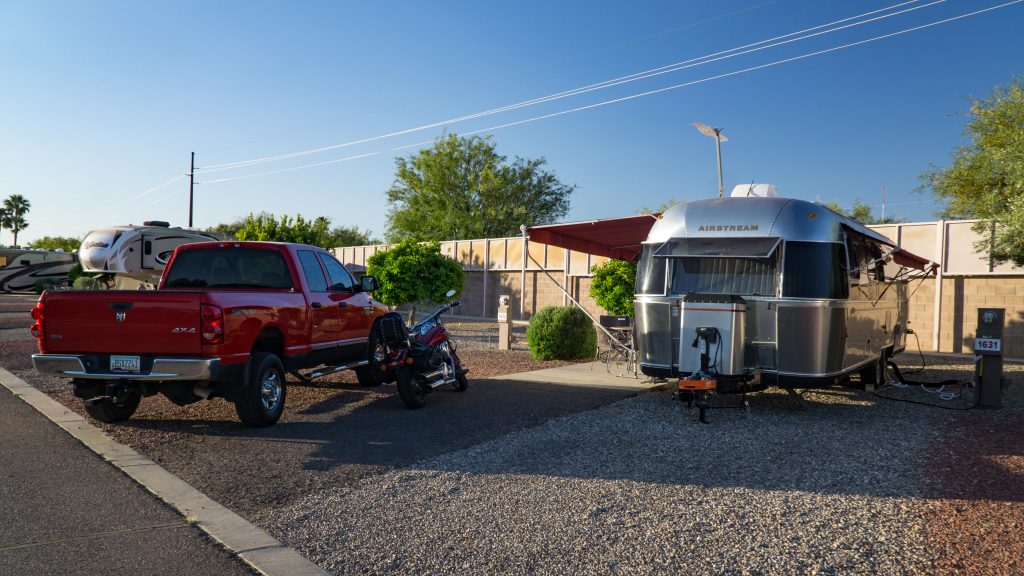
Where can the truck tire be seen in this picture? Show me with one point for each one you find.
(411, 393)
(109, 412)
(370, 375)
(264, 391)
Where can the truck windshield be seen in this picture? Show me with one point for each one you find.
(229, 268)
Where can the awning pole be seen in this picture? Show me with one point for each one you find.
(578, 305)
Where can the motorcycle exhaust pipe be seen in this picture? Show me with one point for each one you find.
(438, 383)
(430, 376)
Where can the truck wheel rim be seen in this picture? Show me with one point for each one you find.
(270, 391)
(379, 354)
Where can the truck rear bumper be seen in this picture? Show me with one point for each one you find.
(71, 366)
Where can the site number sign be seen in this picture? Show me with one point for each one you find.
(988, 345)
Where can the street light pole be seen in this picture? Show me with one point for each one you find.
(191, 186)
(715, 133)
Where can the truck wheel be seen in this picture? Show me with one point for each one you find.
(412, 394)
(262, 401)
(370, 375)
(109, 412)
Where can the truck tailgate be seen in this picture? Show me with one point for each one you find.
(129, 322)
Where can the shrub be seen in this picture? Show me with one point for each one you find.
(46, 284)
(410, 272)
(613, 287)
(87, 283)
(561, 333)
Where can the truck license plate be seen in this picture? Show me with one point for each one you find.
(124, 363)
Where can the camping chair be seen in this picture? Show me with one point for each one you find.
(618, 348)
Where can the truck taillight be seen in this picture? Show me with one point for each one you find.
(38, 316)
(212, 324)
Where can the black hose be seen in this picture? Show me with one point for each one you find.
(925, 385)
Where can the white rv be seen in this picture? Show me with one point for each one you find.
(134, 256)
(21, 268)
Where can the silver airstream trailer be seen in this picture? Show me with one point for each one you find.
(763, 291)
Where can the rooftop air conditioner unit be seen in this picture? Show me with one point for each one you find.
(759, 190)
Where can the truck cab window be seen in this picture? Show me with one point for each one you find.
(341, 280)
(229, 268)
(313, 272)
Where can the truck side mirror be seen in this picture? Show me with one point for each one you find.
(369, 283)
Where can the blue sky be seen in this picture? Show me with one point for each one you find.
(103, 101)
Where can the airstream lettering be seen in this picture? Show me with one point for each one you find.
(803, 297)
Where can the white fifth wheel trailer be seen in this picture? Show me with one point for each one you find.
(134, 256)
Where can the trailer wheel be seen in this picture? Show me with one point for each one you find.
(109, 412)
(875, 374)
(262, 401)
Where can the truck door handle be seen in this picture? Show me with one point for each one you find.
(342, 304)
(316, 305)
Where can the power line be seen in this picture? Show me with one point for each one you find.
(745, 70)
(137, 196)
(716, 77)
(287, 169)
(693, 62)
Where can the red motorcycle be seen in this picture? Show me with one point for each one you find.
(423, 357)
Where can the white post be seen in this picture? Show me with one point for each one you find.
(522, 274)
(940, 256)
(487, 264)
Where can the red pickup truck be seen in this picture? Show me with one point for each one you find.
(228, 319)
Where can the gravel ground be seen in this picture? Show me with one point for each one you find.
(846, 483)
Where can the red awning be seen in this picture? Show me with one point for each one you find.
(911, 260)
(617, 238)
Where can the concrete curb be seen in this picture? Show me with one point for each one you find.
(257, 548)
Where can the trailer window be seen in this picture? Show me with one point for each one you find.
(739, 276)
(814, 270)
(650, 273)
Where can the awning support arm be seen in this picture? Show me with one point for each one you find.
(611, 338)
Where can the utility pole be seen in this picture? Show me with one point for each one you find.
(191, 186)
(883, 203)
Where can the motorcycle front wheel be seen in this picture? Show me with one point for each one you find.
(411, 393)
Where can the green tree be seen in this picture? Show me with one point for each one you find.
(461, 188)
(986, 177)
(613, 286)
(863, 213)
(316, 232)
(660, 209)
(65, 243)
(16, 206)
(411, 273)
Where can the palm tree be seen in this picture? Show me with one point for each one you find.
(5, 220)
(16, 206)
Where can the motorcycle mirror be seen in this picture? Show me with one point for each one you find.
(449, 294)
